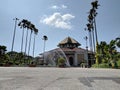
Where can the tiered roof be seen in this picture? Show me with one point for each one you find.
(69, 42)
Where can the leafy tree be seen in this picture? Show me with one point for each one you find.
(2, 49)
(107, 53)
(118, 42)
(4, 58)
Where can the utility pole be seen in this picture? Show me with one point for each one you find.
(16, 19)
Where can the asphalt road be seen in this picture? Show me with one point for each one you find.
(28, 78)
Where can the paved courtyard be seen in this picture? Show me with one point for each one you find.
(26, 78)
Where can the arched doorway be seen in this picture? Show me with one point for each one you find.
(71, 61)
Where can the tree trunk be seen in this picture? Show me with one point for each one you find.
(26, 44)
(29, 44)
(22, 40)
(34, 45)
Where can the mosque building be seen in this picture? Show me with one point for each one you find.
(73, 52)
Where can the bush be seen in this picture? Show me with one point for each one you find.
(61, 62)
(104, 61)
(114, 64)
(118, 63)
(103, 65)
(84, 65)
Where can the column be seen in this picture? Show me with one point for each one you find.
(75, 60)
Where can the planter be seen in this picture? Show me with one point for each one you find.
(32, 65)
(61, 66)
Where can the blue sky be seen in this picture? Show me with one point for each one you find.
(57, 19)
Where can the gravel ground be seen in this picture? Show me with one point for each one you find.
(37, 78)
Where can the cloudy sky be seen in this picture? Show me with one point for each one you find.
(57, 19)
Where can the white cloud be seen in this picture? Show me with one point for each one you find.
(59, 7)
(59, 21)
(63, 6)
(67, 17)
(55, 7)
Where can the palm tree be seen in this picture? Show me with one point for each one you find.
(102, 46)
(31, 27)
(112, 48)
(22, 24)
(118, 42)
(93, 13)
(16, 19)
(45, 38)
(95, 4)
(91, 19)
(89, 27)
(35, 33)
(27, 26)
(86, 38)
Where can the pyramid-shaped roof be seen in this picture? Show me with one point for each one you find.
(69, 40)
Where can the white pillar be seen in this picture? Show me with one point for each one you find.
(75, 61)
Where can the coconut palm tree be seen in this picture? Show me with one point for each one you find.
(93, 14)
(95, 4)
(118, 42)
(27, 26)
(16, 19)
(22, 24)
(45, 38)
(31, 27)
(89, 28)
(35, 33)
(90, 19)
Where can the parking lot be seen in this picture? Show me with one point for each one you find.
(47, 78)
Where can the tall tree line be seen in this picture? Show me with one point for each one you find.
(92, 29)
(91, 26)
(29, 27)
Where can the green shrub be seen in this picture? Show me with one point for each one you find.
(104, 61)
(114, 64)
(61, 62)
(103, 65)
(118, 63)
